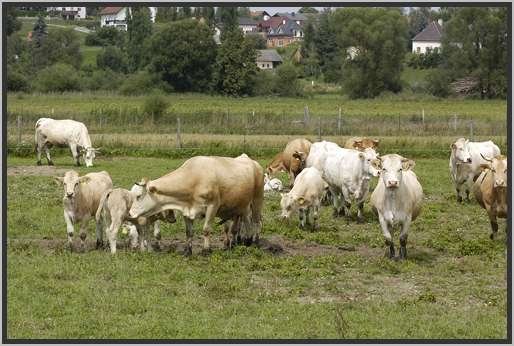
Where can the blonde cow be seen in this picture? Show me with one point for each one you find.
(397, 198)
(361, 143)
(291, 160)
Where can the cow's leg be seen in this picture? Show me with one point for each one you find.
(315, 216)
(403, 238)
(133, 235)
(69, 229)
(75, 153)
(189, 234)
(387, 235)
(47, 153)
(157, 229)
(494, 228)
(113, 234)
(291, 179)
(38, 153)
(308, 216)
(336, 200)
(83, 232)
(210, 213)
(99, 234)
(360, 216)
(226, 231)
(301, 214)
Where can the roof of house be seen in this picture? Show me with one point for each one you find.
(292, 15)
(268, 55)
(259, 13)
(273, 22)
(433, 32)
(110, 10)
(246, 21)
(285, 29)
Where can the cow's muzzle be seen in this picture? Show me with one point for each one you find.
(392, 184)
(500, 183)
(69, 195)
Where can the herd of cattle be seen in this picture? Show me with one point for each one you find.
(232, 189)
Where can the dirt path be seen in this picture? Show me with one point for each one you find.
(35, 170)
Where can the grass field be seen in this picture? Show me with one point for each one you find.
(332, 283)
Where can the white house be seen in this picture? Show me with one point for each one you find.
(247, 24)
(69, 12)
(428, 39)
(117, 16)
(267, 59)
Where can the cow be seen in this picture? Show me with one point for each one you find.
(113, 212)
(291, 160)
(81, 200)
(305, 196)
(490, 190)
(348, 173)
(465, 161)
(272, 184)
(71, 133)
(208, 186)
(318, 154)
(397, 198)
(361, 143)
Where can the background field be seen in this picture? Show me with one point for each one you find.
(333, 283)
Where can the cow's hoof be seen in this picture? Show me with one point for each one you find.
(491, 236)
(99, 244)
(459, 199)
(188, 251)
(360, 220)
(403, 253)
(158, 236)
(38, 163)
(50, 163)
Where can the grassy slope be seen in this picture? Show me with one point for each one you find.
(453, 285)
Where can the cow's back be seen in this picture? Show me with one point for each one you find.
(318, 153)
(99, 183)
(308, 183)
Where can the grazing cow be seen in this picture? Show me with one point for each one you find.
(113, 212)
(348, 173)
(397, 198)
(208, 186)
(490, 190)
(291, 160)
(465, 161)
(272, 184)
(50, 132)
(305, 196)
(81, 200)
(361, 143)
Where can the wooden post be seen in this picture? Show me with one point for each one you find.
(319, 129)
(398, 123)
(306, 115)
(339, 123)
(18, 124)
(179, 139)
(423, 117)
(455, 122)
(471, 130)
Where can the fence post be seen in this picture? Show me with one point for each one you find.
(471, 130)
(319, 129)
(455, 122)
(306, 116)
(423, 117)
(179, 139)
(339, 123)
(18, 124)
(398, 123)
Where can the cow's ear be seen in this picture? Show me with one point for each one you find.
(152, 189)
(301, 200)
(376, 142)
(377, 164)
(485, 166)
(361, 156)
(357, 144)
(84, 179)
(59, 180)
(297, 156)
(453, 146)
(408, 164)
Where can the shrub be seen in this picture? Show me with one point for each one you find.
(58, 78)
(140, 82)
(105, 36)
(438, 83)
(16, 81)
(155, 105)
(286, 81)
(112, 58)
(102, 80)
(263, 83)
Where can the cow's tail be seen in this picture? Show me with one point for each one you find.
(101, 204)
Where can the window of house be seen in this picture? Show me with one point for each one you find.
(418, 49)
(267, 65)
(280, 43)
(428, 49)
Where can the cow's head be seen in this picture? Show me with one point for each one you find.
(298, 161)
(89, 155)
(363, 143)
(461, 151)
(498, 168)
(290, 204)
(71, 182)
(275, 166)
(144, 203)
(391, 169)
(367, 156)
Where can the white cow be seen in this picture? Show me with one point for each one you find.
(465, 161)
(319, 153)
(50, 132)
(308, 189)
(348, 173)
(272, 184)
(397, 198)
(81, 199)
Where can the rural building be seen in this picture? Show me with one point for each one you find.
(268, 59)
(299, 18)
(285, 33)
(69, 13)
(117, 16)
(429, 39)
(260, 15)
(247, 24)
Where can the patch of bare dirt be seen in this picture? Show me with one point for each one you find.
(35, 170)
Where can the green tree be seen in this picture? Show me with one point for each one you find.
(308, 10)
(326, 47)
(185, 13)
(208, 14)
(188, 66)
(39, 32)
(13, 24)
(419, 18)
(287, 83)
(372, 45)
(113, 58)
(235, 65)
(228, 17)
(243, 11)
(139, 29)
(166, 14)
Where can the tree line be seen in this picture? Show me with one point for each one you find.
(362, 49)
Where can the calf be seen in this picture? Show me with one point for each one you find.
(113, 212)
(71, 133)
(272, 184)
(305, 196)
(465, 161)
(291, 160)
(397, 198)
(81, 200)
(348, 173)
(490, 190)
(361, 143)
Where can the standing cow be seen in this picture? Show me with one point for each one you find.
(81, 200)
(361, 143)
(465, 161)
(208, 186)
(305, 196)
(291, 160)
(71, 133)
(490, 190)
(397, 198)
(348, 173)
